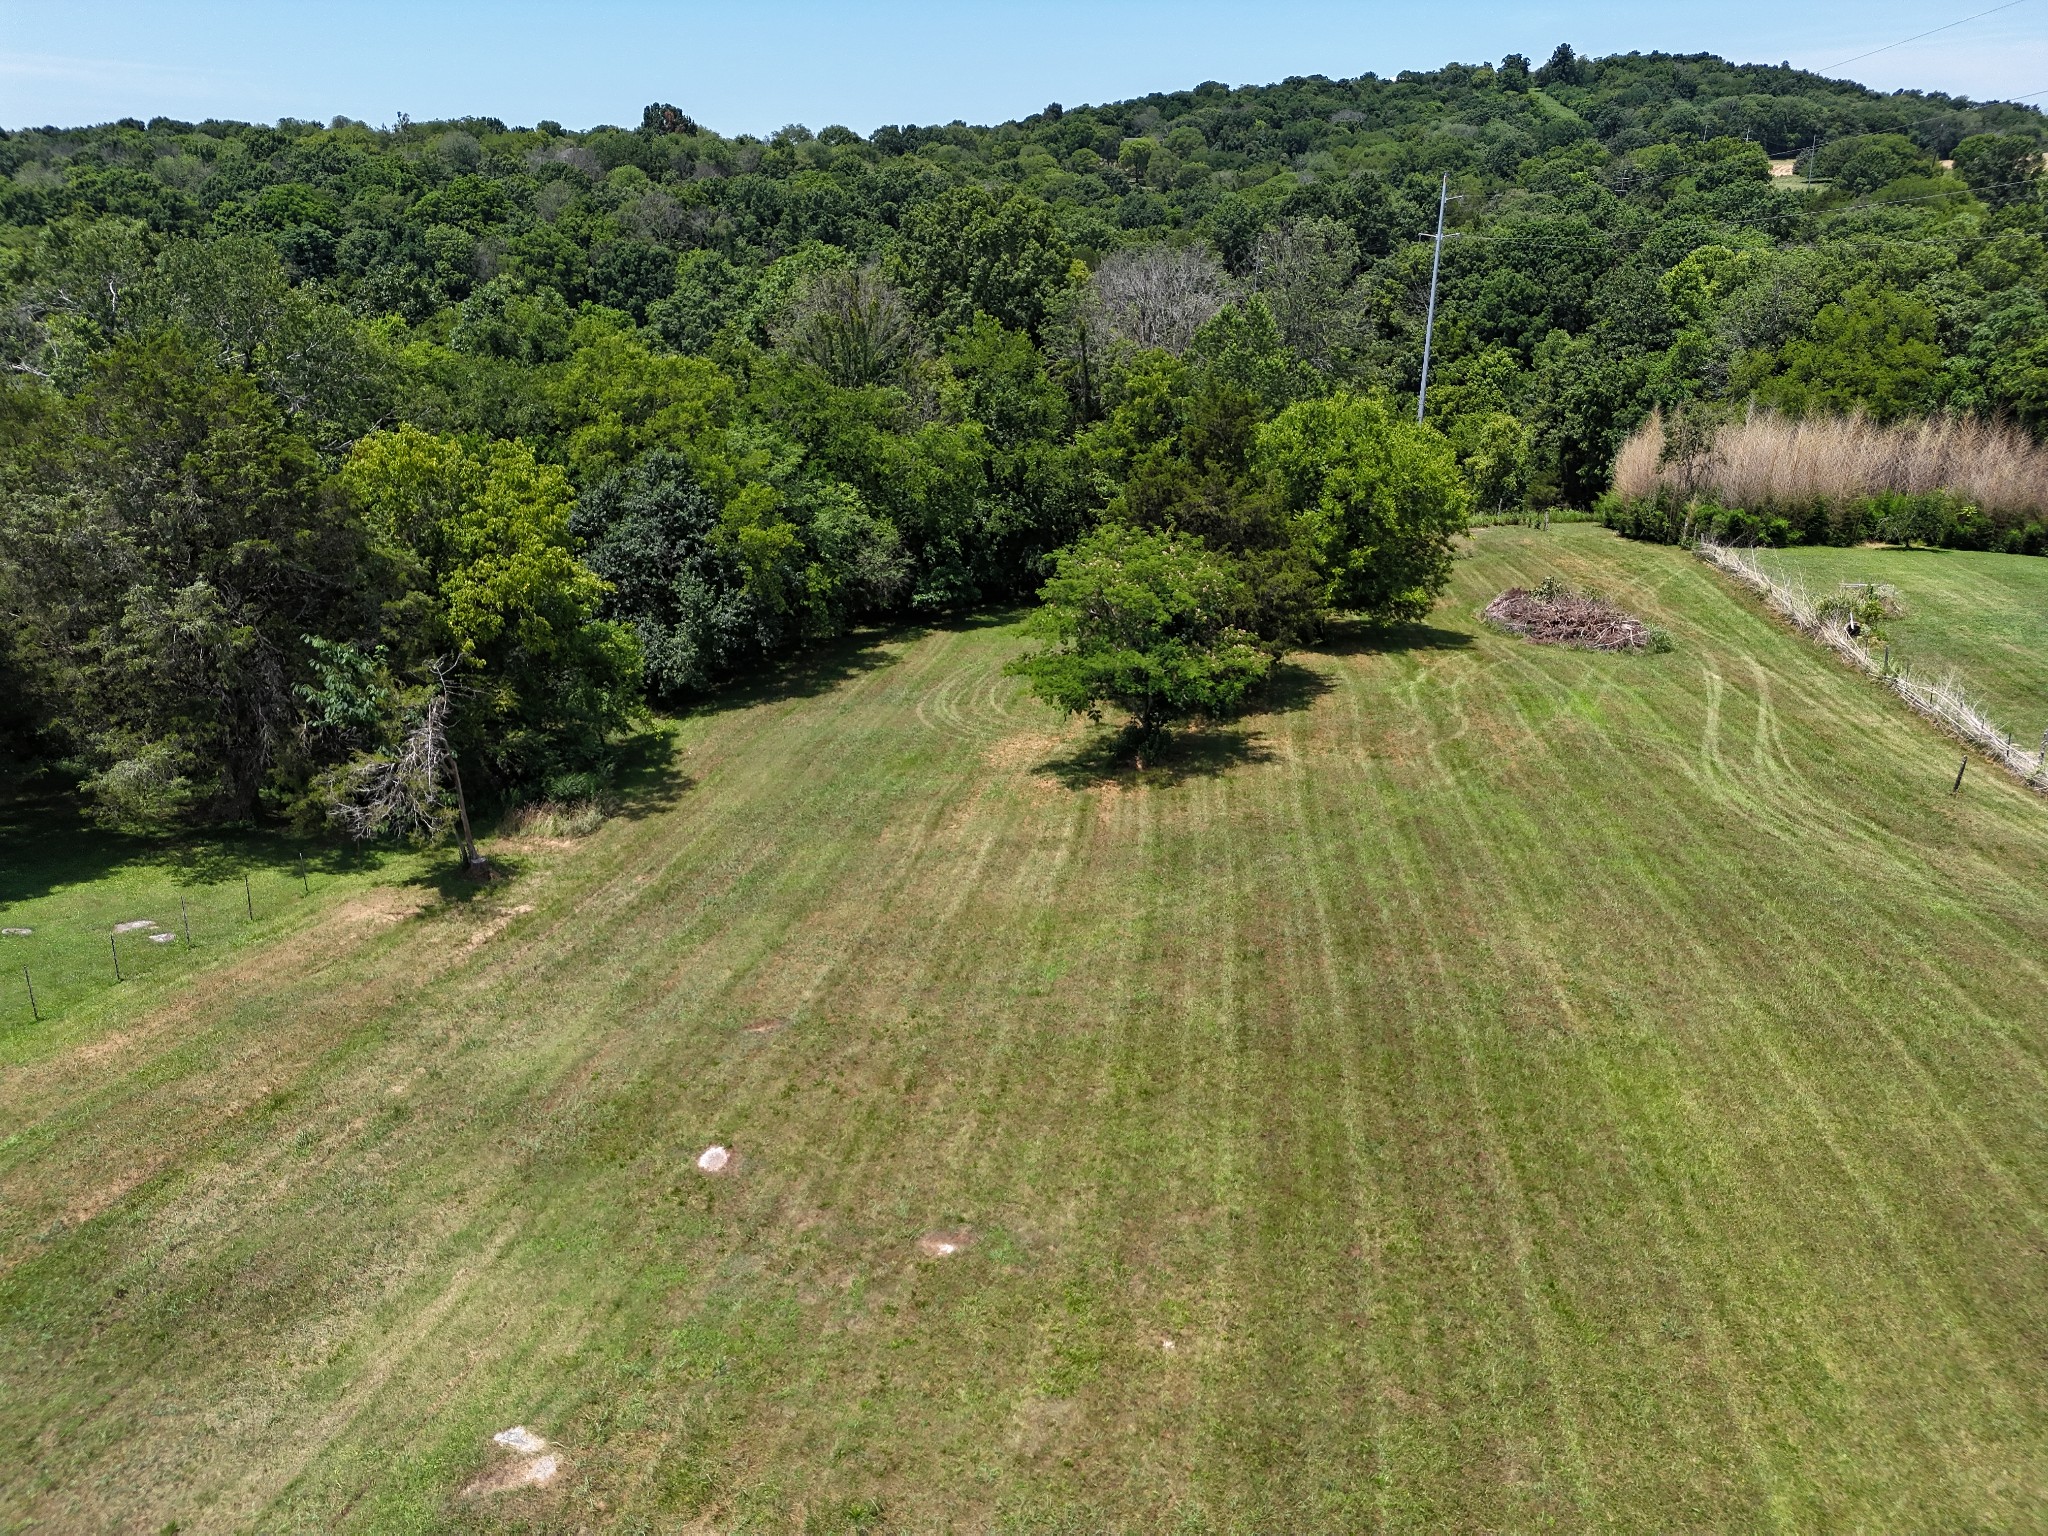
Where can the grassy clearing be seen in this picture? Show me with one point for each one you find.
(84, 894)
(1501, 1087)
(1982, 616)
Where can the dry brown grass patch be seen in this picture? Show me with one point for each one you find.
(1025, 748)
(498, 924)
(1768, 460)
(556, 820)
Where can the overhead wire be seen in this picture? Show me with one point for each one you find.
(1538, 239)
(1917, 36)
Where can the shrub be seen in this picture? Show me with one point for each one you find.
(1144, 621)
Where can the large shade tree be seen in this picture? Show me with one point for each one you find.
(1146, 622)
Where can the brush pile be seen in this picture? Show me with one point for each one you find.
(1553, 614)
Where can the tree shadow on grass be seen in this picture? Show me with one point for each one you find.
(649, 779)
(812, 672)
(1350, 637)
(456, 886)
(47, 843)
(1289, 687)
(825, 666)
(1110, 757)
(1205, 750)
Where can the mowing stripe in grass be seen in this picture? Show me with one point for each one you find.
(1526, 1087)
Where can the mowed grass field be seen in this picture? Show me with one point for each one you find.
(1983, 617)
(1497, 1088)
(74, 897)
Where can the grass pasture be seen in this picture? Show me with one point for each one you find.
(1498, 1088)
(72, 897)
(1982, 616)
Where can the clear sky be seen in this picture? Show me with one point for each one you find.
(754, 65)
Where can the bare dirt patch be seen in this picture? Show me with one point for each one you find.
(1025, 749)
(497, 925)
(945, 1242)
(767, 1026)
(382, 906)
(524, 1472)
(1553, 614)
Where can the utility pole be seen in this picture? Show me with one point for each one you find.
(1443, 197)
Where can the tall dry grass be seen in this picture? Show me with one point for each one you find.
(1768, 460)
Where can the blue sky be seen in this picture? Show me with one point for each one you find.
(753, 65)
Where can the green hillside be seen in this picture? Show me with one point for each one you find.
(719, 399)
(1982, 616)
(1494, 1088)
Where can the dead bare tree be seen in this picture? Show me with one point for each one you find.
(1160, 295)
(402, 790)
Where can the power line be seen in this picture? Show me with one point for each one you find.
(1538, 239)
(1888, 47)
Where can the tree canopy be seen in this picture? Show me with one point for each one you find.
(295, 414)
(1144, 621)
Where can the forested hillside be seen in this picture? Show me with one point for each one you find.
(304, 426)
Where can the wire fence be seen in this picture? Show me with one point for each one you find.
(67, 948)
(1941, 699)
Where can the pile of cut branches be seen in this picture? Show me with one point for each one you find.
(1553, 614)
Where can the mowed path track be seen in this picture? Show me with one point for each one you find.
(1501, 1088)
(1982, 616)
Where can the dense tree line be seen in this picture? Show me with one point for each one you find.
(299, 417)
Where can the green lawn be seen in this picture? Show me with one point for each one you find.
(76, 900)
(1983, 617)
(1500, 1088)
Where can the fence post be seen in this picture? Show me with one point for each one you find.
(116, 951)
(1959, 777)
(33, 1011)
(185, 912)
(304, 888)
(248, 900)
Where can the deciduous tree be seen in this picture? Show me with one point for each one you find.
(1142, 621)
